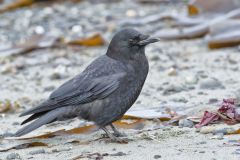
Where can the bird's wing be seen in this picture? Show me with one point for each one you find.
(79, 90)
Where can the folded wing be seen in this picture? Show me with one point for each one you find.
(79, 90)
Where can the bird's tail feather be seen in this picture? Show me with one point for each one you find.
(46, 118)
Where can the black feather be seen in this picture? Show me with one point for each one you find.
(34, 116)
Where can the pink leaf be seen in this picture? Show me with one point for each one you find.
(226, 113)
(207, 118)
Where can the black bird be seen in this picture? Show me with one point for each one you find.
(103, 92)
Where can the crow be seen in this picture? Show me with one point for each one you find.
(103, 92)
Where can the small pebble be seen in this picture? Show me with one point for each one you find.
(203, 142)
(191, 80)
(118, 154)
(220, 131)
(167, 128)
(185, 123)
(157, 156)
(223, 131)
(131, 13)
(201, 151)
(190, 87)
(8, 69)
(232, 61)
(171, 89)
(237, 151)
(77, 29)
(49, 88)
(207, 129)
(218, 136)
(212, 100)
(15, 123)
(155, 58)
(37, 152)
(59, 73)
(39, 30)
(212, 84)
(55, 76)
(172, 72)
(62, 149)
(140, 146)
(13, 156)
(180, 99)
(200, 93)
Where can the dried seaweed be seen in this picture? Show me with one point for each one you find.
(24, 146)
(224, 34)
(196, 7)
(49, 41)
(195, 31)
(25, 3)
(94, 40)
(226, 113)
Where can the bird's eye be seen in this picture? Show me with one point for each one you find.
(137, 38)
(134, 40)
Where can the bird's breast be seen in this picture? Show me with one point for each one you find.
(133, 83)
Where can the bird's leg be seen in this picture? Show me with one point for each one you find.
(112, 137)
(116, 132)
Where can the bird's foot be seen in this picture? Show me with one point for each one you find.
(119, 134)
(119, 140)
(114, 138)
(104, 135)
(116, 132)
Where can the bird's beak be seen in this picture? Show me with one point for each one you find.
(146, 39)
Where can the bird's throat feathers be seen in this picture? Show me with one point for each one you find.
(125, 53)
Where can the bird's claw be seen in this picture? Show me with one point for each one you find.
(119, 134)
(115, 138)
(119, 140)
(104, 135)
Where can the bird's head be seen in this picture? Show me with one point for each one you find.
(127, 43)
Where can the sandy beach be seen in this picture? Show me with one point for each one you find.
(184, 76)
